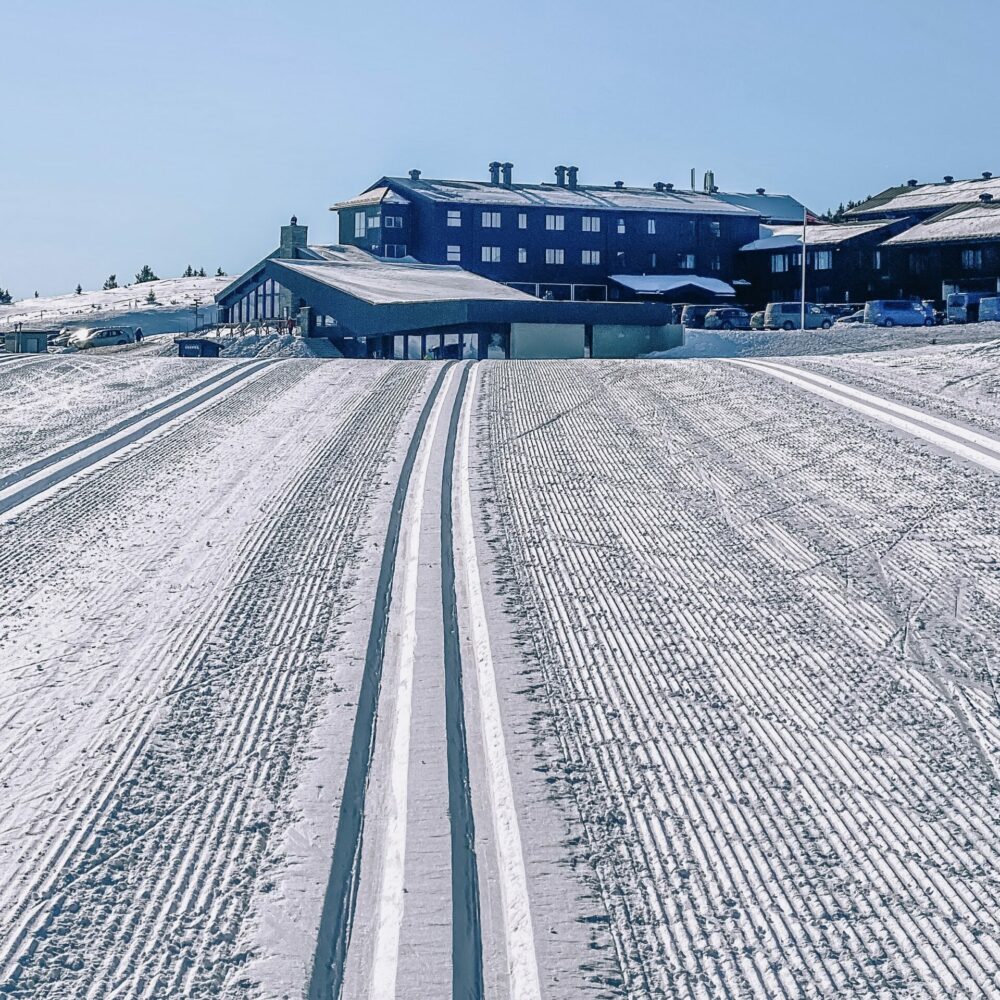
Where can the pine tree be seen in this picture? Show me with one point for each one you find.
(112, 282)
(79, 289)
(201, 273)
(5, 297)
(151, 298)
(220, 273)
(146, 274)
(188, 272)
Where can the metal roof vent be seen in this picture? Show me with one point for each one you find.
(414, 175)
(506, 173)
(986, 196)
(911, 183)
(948, 179)
(495, 172)
(561, 176)
(659, 186)
(987, 175)
(295, 221)
(760, 190)
(571, 173)
(619, 184)
(670, 187)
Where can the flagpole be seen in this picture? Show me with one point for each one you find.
(803, 327)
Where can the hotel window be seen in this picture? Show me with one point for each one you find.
(360, 226)
(522, 255)
(877, 260)
(918, 265)
(621, 226)
(454, 217)
(652, 260)
(685, 261)
(555, 256)
(454, 253)
(555, 221)
(590, 257)
(522, 220)
(651, 227)
(715, 229)
(491, 220)
(393, 222)
(394, 250)
(779, 263)
(822, 260)
(972, 260)
(491, 255)
(715, 263)
(374, 222)
(591, 223)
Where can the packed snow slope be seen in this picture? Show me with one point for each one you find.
(173, 309)
(549, 679)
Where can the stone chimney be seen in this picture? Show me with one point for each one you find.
(495, 172)
(414, 175)
(506, 174)
(571, 173)
(561, 176)
(619, 184)
(293, 238)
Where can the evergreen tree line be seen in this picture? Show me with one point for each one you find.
(111, 282)
(840, 214)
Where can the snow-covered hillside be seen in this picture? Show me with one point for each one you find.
(173, 309)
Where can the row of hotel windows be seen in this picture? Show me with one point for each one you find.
(821, 260)
(557, 223)
(362, 223)
(555, 255)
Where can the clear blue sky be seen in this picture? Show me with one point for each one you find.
(187, 132)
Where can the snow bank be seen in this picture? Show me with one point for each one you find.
(277, 345)
(837, 340)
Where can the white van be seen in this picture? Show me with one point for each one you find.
(898, 312)
(788, 316)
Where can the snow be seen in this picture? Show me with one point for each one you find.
(938, 196)
(173, 310)
(981, 222)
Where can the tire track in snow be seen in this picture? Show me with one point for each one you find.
(340, 899)
(974, 446)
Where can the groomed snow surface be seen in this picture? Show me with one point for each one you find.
(526, 679)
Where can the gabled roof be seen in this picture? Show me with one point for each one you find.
(927, 197)
(554, 196)
(380, 282)
(374, 196)
(776, 208)
(961, 224)
(658, 284)
(786, 237)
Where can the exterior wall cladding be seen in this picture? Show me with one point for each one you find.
(424, 230)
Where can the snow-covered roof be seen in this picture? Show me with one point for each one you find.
(979, 222)
(658, 284)
(786, 237)
(381, 282)
(930, 196)
(553, 196)
(374, 196)
(772, 207)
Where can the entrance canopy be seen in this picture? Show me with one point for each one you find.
(668, 284)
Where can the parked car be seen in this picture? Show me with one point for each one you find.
(989, 309)
(104, 336)
(788, 316)
(963, 307)
(839, 309)
(727, 318)
(757, 320)
(898, 312)
(851, 319)
(693, 317)
(61, 339)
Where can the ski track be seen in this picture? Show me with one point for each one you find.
(766, 629)
(155, 850)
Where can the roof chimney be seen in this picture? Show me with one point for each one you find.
(760, 190)
(659, 186)
(986, 175)
(619, 184)
(986, 196)
(561, 176)
(507, 172)
(293, 238)
(911, 183)
(669, 186)
(495, 172)
(572, 172)
(948, 178)
(414, 175)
